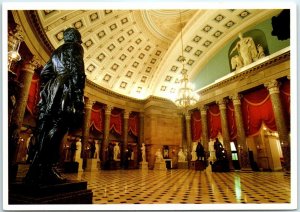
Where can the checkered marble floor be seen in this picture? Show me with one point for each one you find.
(185, 187)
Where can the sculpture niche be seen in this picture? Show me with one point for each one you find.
(247, 52)
(61, 107)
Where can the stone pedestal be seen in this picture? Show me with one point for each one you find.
(143, 165)
(198, 165)
(70, 192)
(91, 165)
(160, 166)
(183, 165)
(110, 165)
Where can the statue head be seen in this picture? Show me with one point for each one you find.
(72, 35)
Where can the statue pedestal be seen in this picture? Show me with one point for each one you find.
(183, 165)
(79, 161)
(91, 165)
(70, 192)
(160, 166)
(197, 165)
(144, 165)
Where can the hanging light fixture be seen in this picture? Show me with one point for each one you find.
(186, 96)
(13, 55)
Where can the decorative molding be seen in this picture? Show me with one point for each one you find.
(36, 25)
(246, 73)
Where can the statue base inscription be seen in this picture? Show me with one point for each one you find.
(70, 192)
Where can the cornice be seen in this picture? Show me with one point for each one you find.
(37, 27)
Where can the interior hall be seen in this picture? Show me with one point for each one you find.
(181, 106)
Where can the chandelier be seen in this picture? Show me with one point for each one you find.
(186, 96)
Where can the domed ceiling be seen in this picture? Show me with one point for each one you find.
(137, 53)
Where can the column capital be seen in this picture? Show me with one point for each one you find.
(108, 109)
(89, 103)
(236, 98)
(126, 114)
(222, 103)
(187, 116)
(203, 109)
(141, 114)
(272, 86)
(31, 65)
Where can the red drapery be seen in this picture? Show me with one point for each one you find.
(231, 120)
(116, 121)
(285, 96)
(97, 118)
(196, 126)
(214, 121)
(257, 109)
(34, 94)
(133, 124)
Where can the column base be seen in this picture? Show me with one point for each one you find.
(246, 170)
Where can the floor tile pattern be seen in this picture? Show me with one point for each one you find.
(183, 186)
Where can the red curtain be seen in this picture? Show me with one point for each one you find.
(231, 120)
(214, 121)
(116, 121)
(34, 94)
(133, 124)
(257, 109)
(97, 118)
(196, 126)
(285, 96)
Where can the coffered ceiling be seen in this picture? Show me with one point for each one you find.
(137, 53)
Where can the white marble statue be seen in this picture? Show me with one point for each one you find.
(97, 149)
(194, 153)
(236, 62)
(181, 156)
(143, 150)
(158, 156)
(246, 49)
(116, 152)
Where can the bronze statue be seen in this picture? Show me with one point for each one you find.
(61, 106)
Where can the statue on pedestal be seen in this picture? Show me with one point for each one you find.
(158, 156)
(116, 152)
(194, 153)
(143, 149)
(181, 156)
(61, 106)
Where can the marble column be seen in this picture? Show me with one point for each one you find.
(21, 101)
(204, 136)
(273, 87)
(141, 128)
(241, 136)
(188, 135)
(86, 125)
(125, 134)
(105, 141)
(225, 132)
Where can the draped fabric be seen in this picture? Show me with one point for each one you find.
(214, 121)
(257, 109)
(231, 120)
(33, 96)
(196, 126)
(286, 100)
(116, 121)
(97, 118)
(133, 124)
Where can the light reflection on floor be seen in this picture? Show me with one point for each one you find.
(185, 187)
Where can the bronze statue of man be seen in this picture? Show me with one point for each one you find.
(61, 106)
